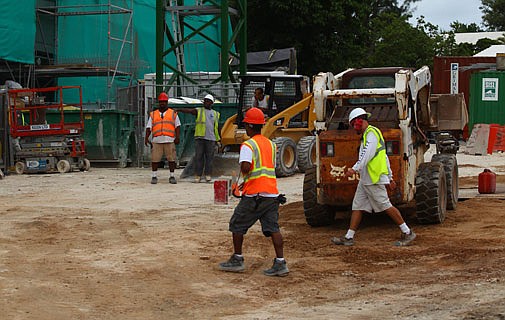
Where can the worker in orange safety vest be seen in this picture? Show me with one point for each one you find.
(164, 125)
(260, 197)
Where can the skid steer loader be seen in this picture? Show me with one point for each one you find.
(399, 102)
(289, 121)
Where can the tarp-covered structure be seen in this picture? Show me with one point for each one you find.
(17, 31)
(99, 51)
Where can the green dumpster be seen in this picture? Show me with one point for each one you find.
(109, 134)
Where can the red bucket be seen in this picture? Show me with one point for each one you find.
(221, 191)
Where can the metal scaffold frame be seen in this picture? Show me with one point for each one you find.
(111, 67)
(219, 10)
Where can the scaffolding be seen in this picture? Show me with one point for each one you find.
(173, 31)
(118, 60)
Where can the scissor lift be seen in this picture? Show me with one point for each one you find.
(44, 141)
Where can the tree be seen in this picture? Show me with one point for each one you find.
(494, 14)
(328, 35)
(397, 43)
(459, 27)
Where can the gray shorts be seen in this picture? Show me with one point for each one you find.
(371, 198)
(251, 209)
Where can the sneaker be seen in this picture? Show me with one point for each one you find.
(197, 179)
(234, 264)
(278, 269)
(406, 239)
(208, 178)
(172, 180)
(154, 180)
(342, 241)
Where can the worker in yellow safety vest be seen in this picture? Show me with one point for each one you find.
(260, 197)
(206, 137)
(164, 125)
(375, 173)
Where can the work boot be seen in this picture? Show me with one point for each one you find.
(234, 264)
(154, 180)
(279, 268)
(406, 239)
(208, 178)
(342, 241)
(197, 179)
(172, 180)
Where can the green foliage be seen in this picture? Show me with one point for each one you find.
(335, 35)
(397, 43)
(494, 14)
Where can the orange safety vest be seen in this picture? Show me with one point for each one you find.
(163, 126)
(261, 179)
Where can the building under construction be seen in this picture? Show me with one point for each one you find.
(107, 46)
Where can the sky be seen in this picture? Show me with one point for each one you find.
(443, 12)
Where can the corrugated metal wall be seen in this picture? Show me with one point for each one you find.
(487, 98)
(441, 80)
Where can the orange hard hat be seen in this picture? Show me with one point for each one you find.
(163, 97)
(254, 116)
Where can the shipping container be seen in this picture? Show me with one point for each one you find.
(441, 78)
(487, 98)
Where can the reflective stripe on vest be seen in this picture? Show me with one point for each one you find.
(200, 123)
(261, 179)
(163, 126)
(378, 164)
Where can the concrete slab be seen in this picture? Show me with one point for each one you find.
(473, 192)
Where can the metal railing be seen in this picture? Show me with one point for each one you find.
(141, 99)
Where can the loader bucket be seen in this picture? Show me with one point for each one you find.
(224, 164)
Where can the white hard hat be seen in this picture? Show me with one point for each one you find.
(356, 113)
(210, 97)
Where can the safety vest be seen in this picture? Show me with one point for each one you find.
(163, 126)
(378, 164)
(261, 179)
(200, 123)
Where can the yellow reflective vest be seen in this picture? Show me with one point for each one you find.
(201, 123)
(378, 165)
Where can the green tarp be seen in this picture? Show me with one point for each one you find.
(17, 31)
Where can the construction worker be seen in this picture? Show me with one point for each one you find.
(164, 124)
(260, 197)
(375, 173)
(206, 137)
(260, 100)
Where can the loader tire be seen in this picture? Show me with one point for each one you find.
(316, 214)
(431, 193)
(450, 164)
(286, 157)
(306, 149)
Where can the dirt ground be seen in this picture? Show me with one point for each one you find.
(106, 244)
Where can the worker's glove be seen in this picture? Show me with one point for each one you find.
(282, 198)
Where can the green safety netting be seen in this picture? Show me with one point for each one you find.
(83, 38)
(17, 31)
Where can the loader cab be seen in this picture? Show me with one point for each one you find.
(282, 91)
(383, 109)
